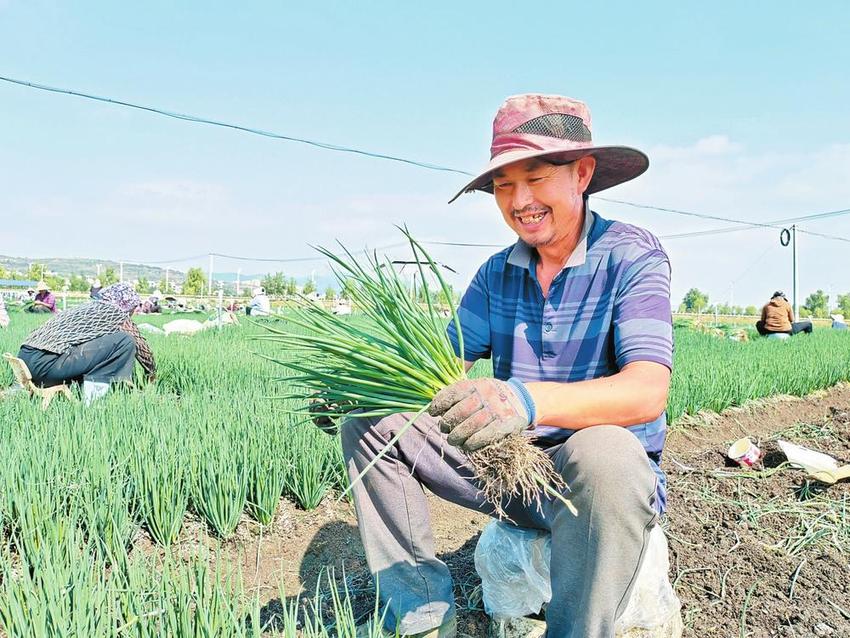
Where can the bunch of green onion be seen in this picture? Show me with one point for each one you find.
(395, 362)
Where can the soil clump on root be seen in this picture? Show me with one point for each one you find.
(513, 468)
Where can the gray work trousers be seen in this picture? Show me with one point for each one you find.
(595, 556)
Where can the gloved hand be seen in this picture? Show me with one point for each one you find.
(323, 415)
(478, 412)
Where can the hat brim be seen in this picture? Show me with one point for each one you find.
(614, 165)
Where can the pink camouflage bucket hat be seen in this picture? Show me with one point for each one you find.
(558, 129)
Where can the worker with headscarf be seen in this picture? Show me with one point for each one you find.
(95, 343)
(94, 291)
(151, 304)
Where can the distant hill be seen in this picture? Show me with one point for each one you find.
(67, 266)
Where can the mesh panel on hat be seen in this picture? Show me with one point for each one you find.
(560, 125)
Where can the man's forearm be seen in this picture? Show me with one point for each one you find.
(636, 394)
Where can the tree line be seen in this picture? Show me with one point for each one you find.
(816, 305)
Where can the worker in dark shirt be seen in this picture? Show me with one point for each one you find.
(95, 343)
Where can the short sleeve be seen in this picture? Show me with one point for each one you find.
(474, 314)
(643, 322)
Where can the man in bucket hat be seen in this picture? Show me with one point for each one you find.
(576, 318)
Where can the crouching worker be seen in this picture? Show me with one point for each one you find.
(576, 318)
(44, 301)
(95, 343)
(777, 317)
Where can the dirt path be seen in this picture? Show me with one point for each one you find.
(727, 560)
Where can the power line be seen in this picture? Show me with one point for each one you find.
(276, 260)
(746, 270)
(287, 260)
(714, 231)
(834, 237)
(684, 212)
(747, 225)
(171, 261)
(400, 244)
(463, 244)
(237, 127)
(365, 250)
(720, 231)
(777, 223)
(425, 165)
(805, 218)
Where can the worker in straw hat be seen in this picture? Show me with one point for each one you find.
(44, 301)
(576, 319)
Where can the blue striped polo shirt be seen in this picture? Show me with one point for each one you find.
(609, 306)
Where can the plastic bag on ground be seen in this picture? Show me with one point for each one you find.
(513, 564)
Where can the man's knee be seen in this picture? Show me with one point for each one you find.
(352, 427)
(606, 454)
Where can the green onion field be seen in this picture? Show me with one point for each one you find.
(92, 500)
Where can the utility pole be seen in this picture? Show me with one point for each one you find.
(789, 236)
(796, 281)
(209, 282)
(238, 278)
(166, 280)
(121, 271)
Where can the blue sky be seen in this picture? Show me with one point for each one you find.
(742, 108)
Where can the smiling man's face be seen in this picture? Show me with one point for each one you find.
(543, 202)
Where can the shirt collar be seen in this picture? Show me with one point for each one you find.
(522, 253)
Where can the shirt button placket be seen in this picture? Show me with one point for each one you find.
(548, 328)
